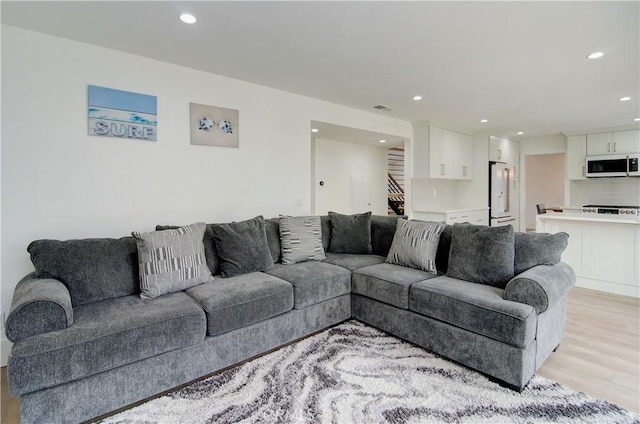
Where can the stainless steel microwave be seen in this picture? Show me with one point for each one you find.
(621, 165)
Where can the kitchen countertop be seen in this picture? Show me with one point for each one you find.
(616, 219)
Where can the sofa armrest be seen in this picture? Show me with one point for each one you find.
(39, 305)
(541, 285)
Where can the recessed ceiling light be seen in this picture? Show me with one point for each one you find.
(383, 141)
(314, 130)
(519, 133)
(484, 121)
(636, 119)
(416, 98)
(625, 99)
(188, 18)
(595, 55)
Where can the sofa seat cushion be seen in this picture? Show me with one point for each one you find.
(236, 302)
(353, 261)
(387, 283)
(475, 307)
(106, 335)
(313, 282)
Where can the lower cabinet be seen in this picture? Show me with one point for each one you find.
(604, 255)
(472, 216)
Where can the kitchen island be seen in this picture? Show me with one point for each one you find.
(604, 250)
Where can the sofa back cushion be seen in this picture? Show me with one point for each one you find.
(91, 269)
(538, 249)
(350, 233)
(444, 246)
(210, 253)
(242, 247)
(482, 254)
(325, 224)
(383, 228)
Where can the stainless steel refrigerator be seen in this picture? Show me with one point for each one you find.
(500, 195)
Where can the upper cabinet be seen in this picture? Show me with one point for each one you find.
(576, 153)
(441, 153)
(610, 143)
(506, 151)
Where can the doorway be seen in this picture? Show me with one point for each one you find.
(544, 184)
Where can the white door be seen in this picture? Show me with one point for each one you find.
(362, 192)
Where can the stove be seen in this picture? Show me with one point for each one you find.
(612, 210)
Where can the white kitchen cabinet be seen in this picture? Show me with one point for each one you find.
(599, 144)
(514, 203)
(610, 143)
(626, 141)
(514, 158)
(604, 252)
(576, 156)
(443, 154)
(472, 216)
(499, 150)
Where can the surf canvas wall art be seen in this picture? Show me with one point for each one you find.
(117, 113)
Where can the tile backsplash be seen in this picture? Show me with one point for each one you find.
(605, 191)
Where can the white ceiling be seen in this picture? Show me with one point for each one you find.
(522, 65)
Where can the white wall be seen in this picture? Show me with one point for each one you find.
(544, 172)
(58, 182)
(539, 146)
(336, 162)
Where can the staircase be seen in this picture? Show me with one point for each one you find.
(395, 181)
(396, 196)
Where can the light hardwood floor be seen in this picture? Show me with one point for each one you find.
(600, 354)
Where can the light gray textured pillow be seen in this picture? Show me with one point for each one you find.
(415, 244)
(301, 239)
(171, 260)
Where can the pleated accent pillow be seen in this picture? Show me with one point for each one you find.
(415, 244)
(171, 260)
(301, 239)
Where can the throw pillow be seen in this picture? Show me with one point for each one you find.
(272, 227)
(383, 228)
(242, 247)
(482, 254)
(301, 239)
(538, 249)
(350, 233)
(209, 247)
(415, 244)
(171, 260)
(91, 269)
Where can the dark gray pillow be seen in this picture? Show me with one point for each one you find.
(350, 233)
(482, 254)
(272, 227)
(91, 269)
(242, 247)
(209, 247)
(383, 228)
(538, 249)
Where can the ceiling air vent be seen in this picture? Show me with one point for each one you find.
(383, 107)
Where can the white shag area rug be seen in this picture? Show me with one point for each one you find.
(353, 373)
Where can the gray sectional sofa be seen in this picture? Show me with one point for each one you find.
(86, 342)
